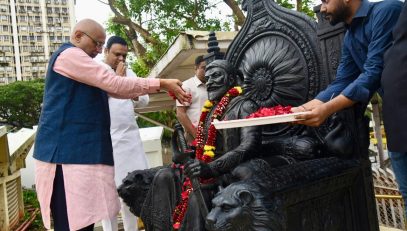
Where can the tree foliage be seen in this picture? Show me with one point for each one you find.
(150, 26)
(20, 102)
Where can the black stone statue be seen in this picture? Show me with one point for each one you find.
(271, 177)
(234, 146)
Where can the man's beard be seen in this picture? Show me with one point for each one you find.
(339, 15)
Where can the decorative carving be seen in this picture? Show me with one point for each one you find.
(254, 204)
(213, 49)
(273, 72)
(333, 54)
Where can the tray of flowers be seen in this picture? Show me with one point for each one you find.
(272, 115)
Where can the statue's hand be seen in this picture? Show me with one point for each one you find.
(196, 168)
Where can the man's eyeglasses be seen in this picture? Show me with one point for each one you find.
(97, 43)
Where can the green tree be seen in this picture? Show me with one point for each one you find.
(20, 102)
(150, 26)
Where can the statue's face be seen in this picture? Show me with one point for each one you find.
(216, 82)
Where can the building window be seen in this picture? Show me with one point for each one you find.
(23, 18)
(21, 9)
(3, 8)
(5, 49)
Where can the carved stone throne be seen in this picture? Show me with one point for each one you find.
(286, 58)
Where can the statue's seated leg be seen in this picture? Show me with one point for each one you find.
(193, 220)
(252, 168)
(161, 200)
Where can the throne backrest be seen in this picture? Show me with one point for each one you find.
(286, 58)
(277, 50)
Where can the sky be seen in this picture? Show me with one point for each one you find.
(92, 9)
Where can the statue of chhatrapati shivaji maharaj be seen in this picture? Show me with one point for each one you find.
(271, 177)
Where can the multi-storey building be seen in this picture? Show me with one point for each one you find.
(30, 30)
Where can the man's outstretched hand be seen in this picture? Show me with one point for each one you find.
(174, 86)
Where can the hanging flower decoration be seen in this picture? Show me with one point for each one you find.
(204, 151)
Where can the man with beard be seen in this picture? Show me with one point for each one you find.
(369, 34)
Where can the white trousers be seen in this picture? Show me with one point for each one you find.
(129, 220)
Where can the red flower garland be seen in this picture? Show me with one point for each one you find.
(204, 151)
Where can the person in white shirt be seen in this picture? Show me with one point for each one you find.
(188, 113)
(128, 152)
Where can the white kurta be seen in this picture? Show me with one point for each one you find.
(128, 151)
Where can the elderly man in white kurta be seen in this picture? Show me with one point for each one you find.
(128, 149)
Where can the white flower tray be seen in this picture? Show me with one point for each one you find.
(257, 121)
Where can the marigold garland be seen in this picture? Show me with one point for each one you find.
(204, 151)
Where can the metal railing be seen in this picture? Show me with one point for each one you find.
(389, 203)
